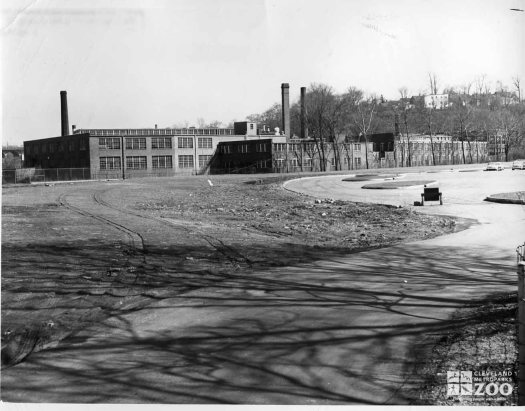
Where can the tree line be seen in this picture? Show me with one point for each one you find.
(473, 113)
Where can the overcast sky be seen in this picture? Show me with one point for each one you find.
(137, 63)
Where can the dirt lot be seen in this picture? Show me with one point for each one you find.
(488, 342)
(75, 254)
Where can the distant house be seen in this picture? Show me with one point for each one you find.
(436, 101)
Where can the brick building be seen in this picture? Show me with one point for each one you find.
(384, 150)
(122, 153)
(114, 153)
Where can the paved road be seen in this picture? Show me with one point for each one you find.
(338, 331)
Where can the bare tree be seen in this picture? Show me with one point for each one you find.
(403, 92)
(322, 115)
(508, 122)
(480, 84)
(270, 118)
(465, 89)
(433, 83)
(517, 85)
(362, 120)
(430, 127)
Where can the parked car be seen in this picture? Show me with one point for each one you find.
(494, 167)
(518, 165)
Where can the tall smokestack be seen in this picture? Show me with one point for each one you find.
(285, 93)
(63, 113)
(304, 129)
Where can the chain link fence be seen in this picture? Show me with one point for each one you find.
(43, 175)
(33, 175)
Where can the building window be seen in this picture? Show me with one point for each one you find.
(185, 161)
(357, 161)
(357, 147)
(294, 162)
(162, 162)
(185, 142)
(52, 147)
(251, 126)
(205, 142)
(110, 163)
(279, 147)
(109, 143)
(261, 147)
(307, 162)
(83, 144)
(243, 148)
(136, 143)
(136, 162)
(203, 160)
(160, 142)
(332, 161)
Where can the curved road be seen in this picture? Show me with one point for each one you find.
(338, 331)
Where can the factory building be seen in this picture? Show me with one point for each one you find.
(245, 148)
(383, 150)
(124, 153)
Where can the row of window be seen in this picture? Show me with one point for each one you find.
(57, 146)
(158, 132)
(382, 146)
(139, 143)
(141, 163)
(307, 162)
(243, 148)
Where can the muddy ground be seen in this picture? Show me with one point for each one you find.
(74, 254)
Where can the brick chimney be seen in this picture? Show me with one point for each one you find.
(304, 128)
(63, 113)
(285, 93)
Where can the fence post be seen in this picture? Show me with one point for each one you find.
(521, 332)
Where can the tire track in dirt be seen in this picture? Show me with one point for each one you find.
(231, 254)
(135, 238)
(113, 284)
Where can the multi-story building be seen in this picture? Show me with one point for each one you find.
(385, 150)
(122, 153)
(117, 153)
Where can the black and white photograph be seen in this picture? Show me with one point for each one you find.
(263, 203)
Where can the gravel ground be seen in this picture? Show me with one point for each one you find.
(63, 270)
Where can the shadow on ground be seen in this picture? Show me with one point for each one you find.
(338, 331)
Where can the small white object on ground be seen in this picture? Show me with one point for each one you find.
(210, 183)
